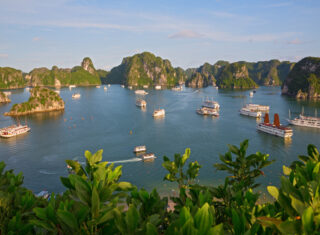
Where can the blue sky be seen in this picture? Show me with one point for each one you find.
(41, 33)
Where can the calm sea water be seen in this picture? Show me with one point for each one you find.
(109, 120)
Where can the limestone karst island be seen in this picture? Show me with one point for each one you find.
(159, 117)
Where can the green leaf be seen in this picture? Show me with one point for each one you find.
(298, 205)
(203, 219)
(217, 230)
(95, 203)
(286, 170)
(289, 227)
(238, 223)
(151, 229)
(132, 218)
(124, 186)
(184, 215)
(273, 192)
(307, 220)
(68, 218)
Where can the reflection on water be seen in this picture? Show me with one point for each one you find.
(43, 116)
(287, 142)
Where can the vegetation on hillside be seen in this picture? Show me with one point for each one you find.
(11, 78)
(146, 69)
(79, 75)
(41, 99)
(303, 81)
(97, 202)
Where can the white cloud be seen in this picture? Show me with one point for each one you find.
(185, 34)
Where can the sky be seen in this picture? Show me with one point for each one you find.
(43, 33)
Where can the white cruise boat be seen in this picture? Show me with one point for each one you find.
(72, 86)
(76, 96)
(306, 121)
(208, 111)
(159, 113)
(97, 86)
(139, 149)
(177, 88)
(141, 103)
(258, 107)
(252, 113)
(141, 92)
(211, 104)
(148, 157)
(251, 93)
(145, 86)
(276, 128)
(109, 85)
(14, 130)
(158, 87)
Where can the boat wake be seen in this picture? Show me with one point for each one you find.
(127, 160)
(47, 172)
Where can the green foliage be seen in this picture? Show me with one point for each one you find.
(97, 202)
(304, 76)
(38, 96)
(11, 78)
(145, 69)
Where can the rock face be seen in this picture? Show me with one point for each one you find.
(146, 69)
(41, 100)
(4, 98)
(303, 81)
(266, 73)
(11, 78)
(84, 75)
(235, 76)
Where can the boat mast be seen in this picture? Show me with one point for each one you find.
(289, 114)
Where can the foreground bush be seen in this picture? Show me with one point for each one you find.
(97, 202)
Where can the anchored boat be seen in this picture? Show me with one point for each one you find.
(258, 107)
(276, 128)
(141, 103)
(141, 92)
(252, 113)
(208, 111)
(76, 96)
(306, 121)
(139, 149)
(158, 87)
(14, 130)
(159, 113)
(177, 88)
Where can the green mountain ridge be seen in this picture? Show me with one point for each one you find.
(146, 69)
(11, 78)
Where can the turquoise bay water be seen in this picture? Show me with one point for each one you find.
(103, 120)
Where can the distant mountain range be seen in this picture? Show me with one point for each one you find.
(297, 79)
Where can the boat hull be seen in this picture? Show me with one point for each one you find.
(275, 131)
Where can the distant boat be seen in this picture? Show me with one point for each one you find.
(141, 92)
(97, 86)
(159, 113)
(148, 157)
(27, 88)
(122, 86)
(109, 85)
(7, 93)
(76, 96)
(251, 94)
(57, 91)
(14, 130)
(145, 86)
(141, 103)
(177, 88)
(276, 128)
(211, 104)
(130, 87)
(72, 86)
(305, 121)
(105, 88)
(139, 149)
(208, 112)
(158, 87)
(43, 194)
(258, 107)
(252, 113)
